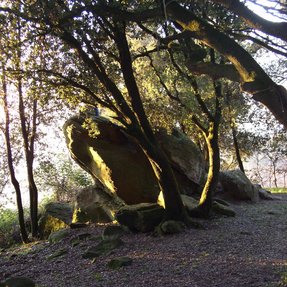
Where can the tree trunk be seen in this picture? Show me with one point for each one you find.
(211, 140)
(173, 203)
(237, 151)
(29, 155)
(33, 191)
(205, 202)
(14, 181)
(143, 132)
(20, 209)
(274, 171)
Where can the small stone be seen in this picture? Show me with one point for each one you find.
(113, 231)
(18, 282)
(58, 235)
(103, 248)
(119, 262)
(58, 253)
(222, 209)
(172, 227)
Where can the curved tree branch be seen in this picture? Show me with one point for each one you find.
(275, 29)
(215, 71)
(254, 80)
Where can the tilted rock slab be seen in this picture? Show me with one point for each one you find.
(118, 163)
(112, 159)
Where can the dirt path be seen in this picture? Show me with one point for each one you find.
(248, 250)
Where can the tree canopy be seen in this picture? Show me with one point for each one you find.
(103, 52)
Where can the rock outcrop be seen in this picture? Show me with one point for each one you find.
(237, 186)
(117, 162)
(96, 204)
(143, 217)
(186, 160)
(57, 215)
(112, 159)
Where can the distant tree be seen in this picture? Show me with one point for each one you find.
(62, 178)
(9, 154)
(23, 100)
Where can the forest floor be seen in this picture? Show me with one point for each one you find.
(247, 250)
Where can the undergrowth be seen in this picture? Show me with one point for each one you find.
(9, 231)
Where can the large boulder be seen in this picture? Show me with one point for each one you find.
(113, 160)
(57, 215)
(96, 204)
(143, 217)
(186, 159)
(265, 194)
(237, 186)
(117, 162)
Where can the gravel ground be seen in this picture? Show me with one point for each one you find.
(247, 250)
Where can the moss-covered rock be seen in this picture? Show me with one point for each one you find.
(18, 282)
(118, 163)
(186, 159)
(172, 227)
(119, 262)
(143, 217)
(57, 253)
(94, 213)
(189, 202)
(103, 248)
(96, 204)
(222, 209)
(103, 149)
(58, 235)
(56, 216)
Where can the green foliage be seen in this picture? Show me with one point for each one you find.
(63, 178)
(8, 227)
(278, 190)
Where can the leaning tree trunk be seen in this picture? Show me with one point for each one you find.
(173, 203)
(143, 132)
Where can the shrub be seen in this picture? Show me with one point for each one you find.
(9, 230)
